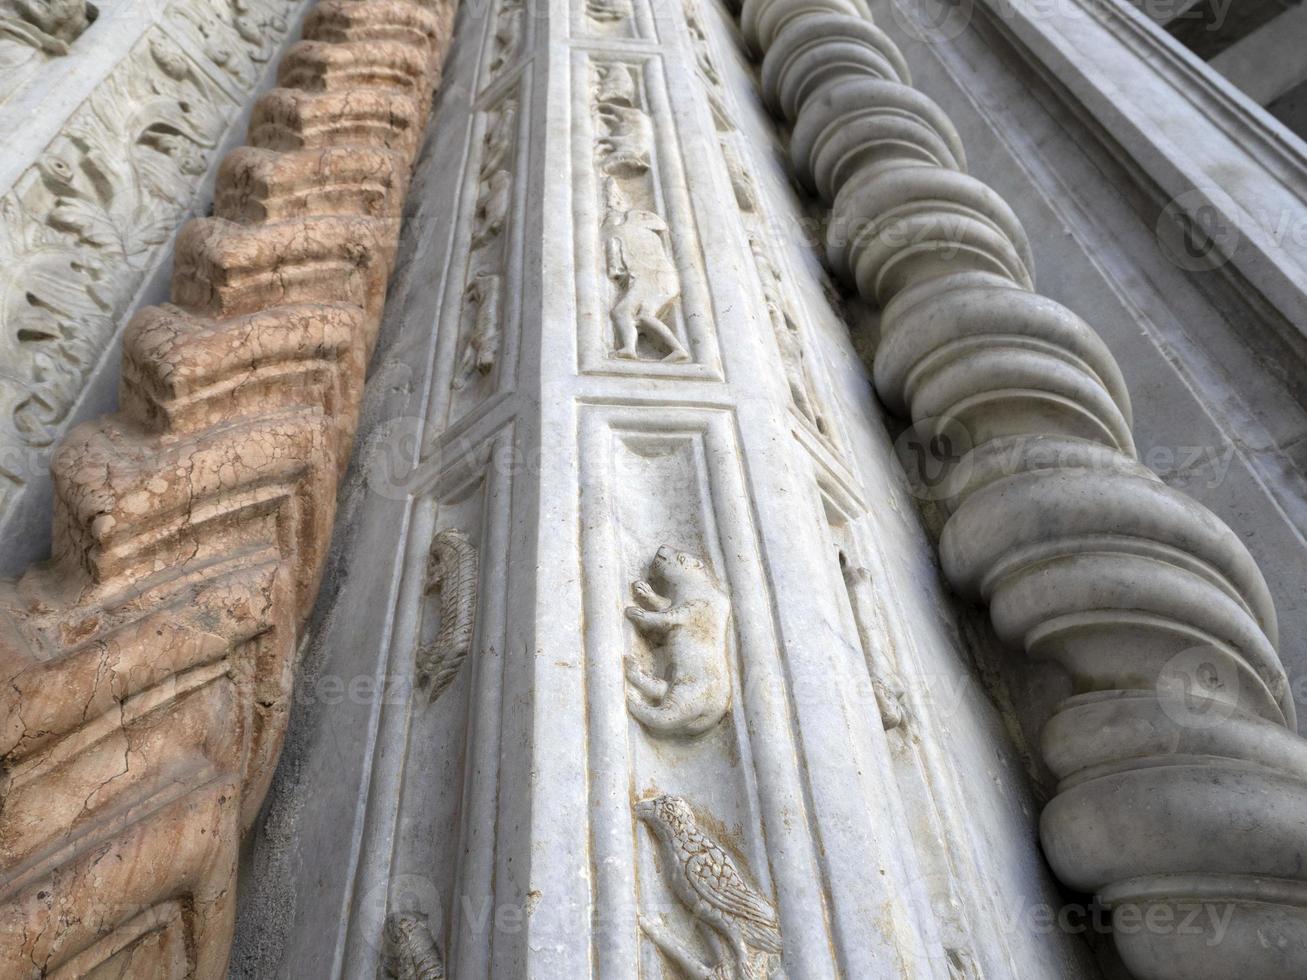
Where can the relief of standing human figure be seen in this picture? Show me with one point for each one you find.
(640, 266)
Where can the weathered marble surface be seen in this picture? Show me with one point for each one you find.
(707, 619)
(1180, 790)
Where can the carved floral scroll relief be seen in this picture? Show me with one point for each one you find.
(650, 310)
(80, 228)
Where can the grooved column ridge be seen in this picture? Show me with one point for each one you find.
(1183, 791)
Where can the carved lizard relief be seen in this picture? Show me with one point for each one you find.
(691, 625)
(740, 925)
(452, 566)
(408, 950)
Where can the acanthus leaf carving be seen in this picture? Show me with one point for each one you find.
(190, 529)
(82, 224)
(48, 26)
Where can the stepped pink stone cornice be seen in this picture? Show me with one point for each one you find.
(147, 667)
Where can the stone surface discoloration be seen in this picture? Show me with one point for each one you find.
(148, 667)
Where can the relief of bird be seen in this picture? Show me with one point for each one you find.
(706, 880)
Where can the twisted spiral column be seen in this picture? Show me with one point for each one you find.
(146, 670)
(1182, 799)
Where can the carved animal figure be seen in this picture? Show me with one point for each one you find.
(738, 921)
(498, 140)
(615, 85)
(47, 25)
(787, 337)
(690, 624)
(408, 950)
(508, 33)
(452, 567)
(482, 345)
(626, 145)
(639, 264)
(608, 11)
(492, 207)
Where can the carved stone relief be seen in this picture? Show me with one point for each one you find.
(736, 920)
(689, 624)
(781, 312)
(482, 314)
(149, 665)
(408, 951)
(643, 275)
(886, 683)
(452, 574)
(789, 338)
(82, 225)
(637, 252)
(920, 780)
(238, 36)
(32, 32)
(482, 346)
(609, 18)
(649, 310)
(508, 39)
